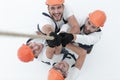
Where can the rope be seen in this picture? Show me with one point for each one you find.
(15, 34)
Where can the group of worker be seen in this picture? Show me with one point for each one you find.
(73, 40)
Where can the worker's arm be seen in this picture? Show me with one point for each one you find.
(73, 24)
(81, 55)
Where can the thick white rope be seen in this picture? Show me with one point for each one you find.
(15, 34)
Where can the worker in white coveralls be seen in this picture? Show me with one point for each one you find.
(54, 20)
(90, 34)
(35, 49)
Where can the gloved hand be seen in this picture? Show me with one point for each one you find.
(56, 41)
(66, 38)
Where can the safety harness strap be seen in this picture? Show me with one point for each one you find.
(66, 54)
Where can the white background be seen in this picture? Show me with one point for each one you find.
(23, 15)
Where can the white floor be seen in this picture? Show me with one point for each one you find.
(22, 16)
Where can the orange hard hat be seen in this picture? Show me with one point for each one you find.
(25, 54)
(54, 2)
(55, 75)
(98, 18)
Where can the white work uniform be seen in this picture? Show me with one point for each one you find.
(89, 39)
(47, 20)
(86, 41)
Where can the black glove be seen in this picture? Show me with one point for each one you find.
(56, 41)
(66, 38)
